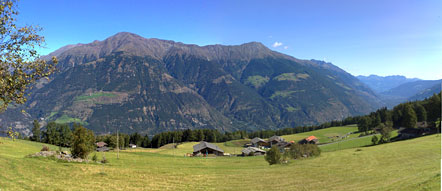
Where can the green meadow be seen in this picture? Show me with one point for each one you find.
(405, 165)
(325, 135)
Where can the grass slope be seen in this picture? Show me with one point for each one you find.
(324, 134)
(404, 165)
(352, 142)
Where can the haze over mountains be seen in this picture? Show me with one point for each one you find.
(397, 89)
(151, 85)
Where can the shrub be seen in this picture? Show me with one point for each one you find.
(104, 160)
(375, 140)
(94, 158)
(45, 148)
(304, 150)
(273, 156)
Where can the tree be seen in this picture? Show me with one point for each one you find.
(136, 139)
(363, 124)
(200, 135)
(433, 107)
(273, 156)
(146, 142)
(36, 132)
(421, 113)
(374, 139)
(51, 135)
(20, 65)
(385, 134)
(65, 135)
(409, 118)
(83, 142)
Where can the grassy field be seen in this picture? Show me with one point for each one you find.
(352, 142)
(404, 165)
(66, 119)
(324, 135)
(94, 95)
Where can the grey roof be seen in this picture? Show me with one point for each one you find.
(276, 138)
(200, 146)
(249, 150)
(102, 149)
(257, 140)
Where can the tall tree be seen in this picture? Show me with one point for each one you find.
(363, 124)
(146, 142)
(65, 135)
(36, 132)
(421, 113)
(433, 108)
(20, 65)
(409, 117)
(83, 141)
(51, 135)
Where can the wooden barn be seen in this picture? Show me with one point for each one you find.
(252, 151)
(102, 147)
(204, 149)
(258, 142)
(274, 140)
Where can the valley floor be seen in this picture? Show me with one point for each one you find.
(404, 165)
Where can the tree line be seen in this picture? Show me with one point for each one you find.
(404, 115)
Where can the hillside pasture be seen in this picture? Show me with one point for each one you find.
(394, 166)
(325, 135)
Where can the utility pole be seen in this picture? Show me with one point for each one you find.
(118, 146)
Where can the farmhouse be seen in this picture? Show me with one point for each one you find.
(283, 144)
(275, 140)
(309, 140)
(252, 151)
(406, 133)
(102, 146)
(257, 142)
(205, 148)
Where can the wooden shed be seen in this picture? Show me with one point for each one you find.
(257, 142)
(274, 140)
(204, 148)
(252, 151)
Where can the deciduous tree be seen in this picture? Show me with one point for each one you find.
(20, 65)
(83, 141)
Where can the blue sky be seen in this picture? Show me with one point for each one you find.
(383, 37)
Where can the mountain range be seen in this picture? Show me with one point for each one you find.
(393, 90)
(149, 85)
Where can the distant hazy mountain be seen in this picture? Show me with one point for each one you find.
(151, 85)
(381, 84)
(428, 92)
(417, 90)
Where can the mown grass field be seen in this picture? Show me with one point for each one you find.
(352, 142)
(404, 165)
(324, 135)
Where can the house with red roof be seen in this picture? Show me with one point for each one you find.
(309, 140)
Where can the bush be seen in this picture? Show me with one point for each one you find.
(375, 140)
(273, 156)
(304, 150)
(104, 160)
(45, 148)
(83, 142)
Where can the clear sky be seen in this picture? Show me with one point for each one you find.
(383, 37)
